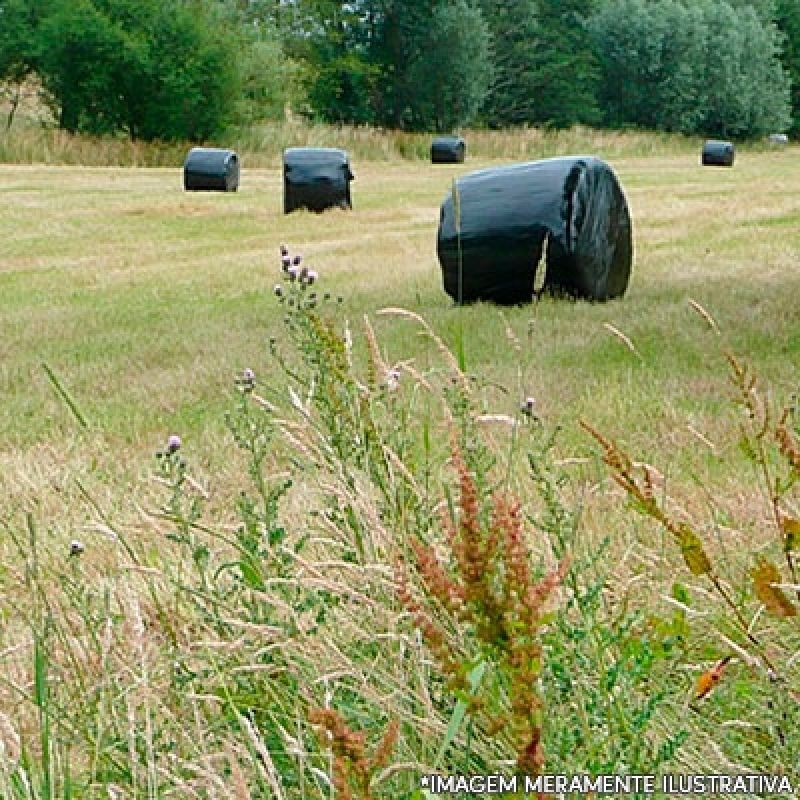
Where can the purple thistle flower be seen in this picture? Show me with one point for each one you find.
(249, 375)
(312, 276)
(292, 273)
(284, 250)
(174, 443)
(297, 259)
(286, 263)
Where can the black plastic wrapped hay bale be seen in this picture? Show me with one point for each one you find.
(448, 150)
(316, 178)
(717, 153)
(211, 169)
(493, 233)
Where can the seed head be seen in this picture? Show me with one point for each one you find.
(174, 443)
(528, 406)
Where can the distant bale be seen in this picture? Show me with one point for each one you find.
(448, 150)
(717, 153)
(778, 139)
(496, 224)
(211, 169)
(316, 178)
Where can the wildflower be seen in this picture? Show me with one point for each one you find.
(297, 259)
(392, 379)
(286, 263)
(278, 290)
(174, 443)
(528, 408)
(292, 272)
(247, 381)
(284, 250)
(76, 547)
(311, 277)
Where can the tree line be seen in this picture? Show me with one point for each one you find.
(189, 69)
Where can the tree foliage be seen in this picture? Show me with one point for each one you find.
(702, 67)
(451, 72)
(187, 69)
(180, 70)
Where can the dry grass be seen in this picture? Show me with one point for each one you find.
(145, 301)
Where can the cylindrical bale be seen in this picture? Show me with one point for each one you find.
(496, 224)
(448, 150)
(316, 178)
(211, 169)
(717, 153)
(778, 139)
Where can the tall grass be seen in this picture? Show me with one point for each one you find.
(261, 146)
(242, 524)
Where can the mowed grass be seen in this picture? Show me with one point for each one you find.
(140, 303)
(146, 300)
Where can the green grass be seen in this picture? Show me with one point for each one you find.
(140, 303)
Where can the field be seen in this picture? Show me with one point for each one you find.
(144, 662)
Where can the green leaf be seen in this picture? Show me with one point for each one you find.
(474, 678)
(791, 533)
(692, 551)
(764, 575)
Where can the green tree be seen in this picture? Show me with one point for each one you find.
(17, 56)
(342, 77)
(514, 29)
(452, 71)
(86, 64)
(787, 20)
(180, 70)
(701, 67)
(564, 72)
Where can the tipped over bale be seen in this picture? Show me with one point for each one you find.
(211, 169)
(493, 234)
(717, 153)
(448, 150)
(316, 178)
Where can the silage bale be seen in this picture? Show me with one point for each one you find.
(495, 224)
(316, 178)
(717, 153)
(778, 139)
(211, 169)
(448, 150)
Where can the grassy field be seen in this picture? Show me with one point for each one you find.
(127, 309)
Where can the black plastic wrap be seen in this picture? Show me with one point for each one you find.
(496, 224)
(316, 178)
(448, 150)
(717, 153)
(211, 169)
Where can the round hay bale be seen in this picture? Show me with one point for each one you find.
(211, 169)
(778, 139)
(448, 150)
(496, 224)
(717, 153)
(316, 178)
